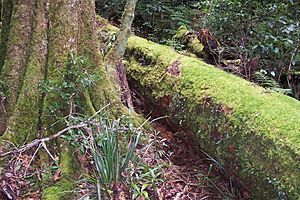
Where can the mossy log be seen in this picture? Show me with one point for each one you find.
(252, 132)
(190, 40)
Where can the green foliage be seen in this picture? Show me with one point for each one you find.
(111, 144)
(269, 29)
(145, 178)
(266, 81)
(75, 81)
(110, 158)
(139, 191)
(155, 19)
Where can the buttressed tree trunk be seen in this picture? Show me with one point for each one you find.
(37, 38)
(42, 34)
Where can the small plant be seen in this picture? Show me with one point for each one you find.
(111, 144)
(149, 175)
(75, 80)
(139, 191)
(111, 159)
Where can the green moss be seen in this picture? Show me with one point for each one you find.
(68, 164)
(181, 33)
(262, 129)
(17, 51)
(60, 191)
(268, 109)
(28, 104)
(196, 46)
(103, 24)
(69, 171)
(189, 39)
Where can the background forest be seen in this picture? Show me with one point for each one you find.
(246, 29)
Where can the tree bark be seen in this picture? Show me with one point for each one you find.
(37, 50)
(18, 49)
(6, 12)
(29, 99)
(36, 43)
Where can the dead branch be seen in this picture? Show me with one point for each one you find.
(42, 140)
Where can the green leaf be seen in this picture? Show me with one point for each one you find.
(135, 187)
(145, 194)
(144, 186)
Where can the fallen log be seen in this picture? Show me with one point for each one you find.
(190, 40)
(252, 132)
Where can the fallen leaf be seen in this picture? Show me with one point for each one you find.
(56, 175)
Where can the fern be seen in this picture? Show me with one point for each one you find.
(265, 81)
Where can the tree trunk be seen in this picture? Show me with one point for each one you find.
(36, 43)
(114, 64)
(6, 12)
(37, 51)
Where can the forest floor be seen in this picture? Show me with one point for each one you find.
(170, 167)
(186, 172)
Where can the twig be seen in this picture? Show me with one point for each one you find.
(39, 141)
(46, 149)
(37, 149)
(159, 118)
(99, 190)
(96, 113)
(147, 120)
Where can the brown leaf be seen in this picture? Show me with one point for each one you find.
(56, 176)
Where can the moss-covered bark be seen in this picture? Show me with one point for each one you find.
(255, 134)
(95, 97)
(6, 12)
(62, 37)
(29, 101)
(17, 51)
(190, 40)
